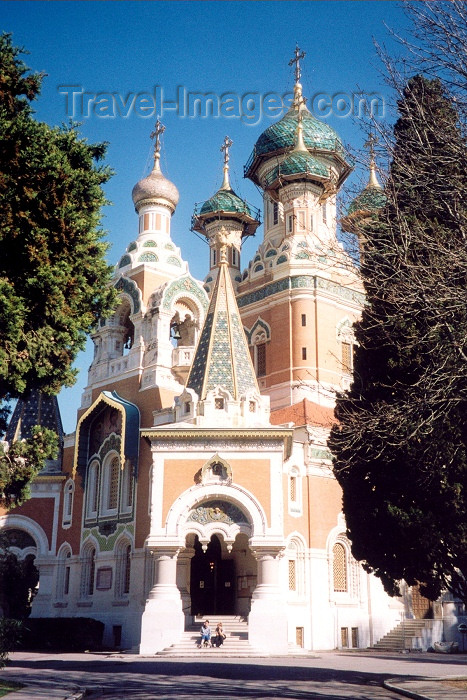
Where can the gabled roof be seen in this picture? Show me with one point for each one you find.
(222, 358)
(304, 413)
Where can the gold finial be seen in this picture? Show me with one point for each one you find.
(299, 142)
(156, 134)
(370, 144)
(227, 143)
(298, 55)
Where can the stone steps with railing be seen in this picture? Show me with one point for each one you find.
(412, 634)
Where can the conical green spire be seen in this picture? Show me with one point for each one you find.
(222, 358)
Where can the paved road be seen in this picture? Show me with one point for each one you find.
(328, 676)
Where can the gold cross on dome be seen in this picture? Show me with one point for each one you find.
(160, 128)
(297, 57)
(370, 144)
(227, 143)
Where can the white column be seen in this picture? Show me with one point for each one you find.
(267, 621)
(42, 603)
(183, 580)
(163, 621)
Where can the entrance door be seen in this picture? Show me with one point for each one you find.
(212, 581)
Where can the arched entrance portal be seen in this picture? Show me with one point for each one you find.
(217, 535)
(212, 579)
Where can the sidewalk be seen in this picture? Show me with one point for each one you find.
(428, 688)
(55, 687)
(420, 689)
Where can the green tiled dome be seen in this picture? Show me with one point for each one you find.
(295, 164)
(281, 135)
(371, 199)
(225, 201)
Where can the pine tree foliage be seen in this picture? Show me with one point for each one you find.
(400, 449)
(53, 274)
(21, 461)
(54, 280)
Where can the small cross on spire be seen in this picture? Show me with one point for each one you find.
(227, 143)
(370, 144)
(298, 55)
(225, 149)
(160, 128)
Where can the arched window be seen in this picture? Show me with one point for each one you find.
(346, 338)
(88, 571)
(110, 484)
(123, 569)
(259, 336)
(339, 568)
(296, 567)
(92, 489)
(127, 488)
(63, 574)
(68, 503)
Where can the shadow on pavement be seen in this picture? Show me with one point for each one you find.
(114, 679)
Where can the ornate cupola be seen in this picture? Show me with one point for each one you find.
(225, 212)
(318, 138)
(369, 201)
(298, 166)
(300, 163)
(155, 189)
(155, 199)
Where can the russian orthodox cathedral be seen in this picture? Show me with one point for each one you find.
(198, 481)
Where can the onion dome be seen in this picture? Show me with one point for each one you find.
(318, 137)
(155, 188)
(369, 201)
(226, 204)
(281, 135)
(298, 165)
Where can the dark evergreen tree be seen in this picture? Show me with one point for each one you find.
(54, 281)
(19, 581)
(400, 448)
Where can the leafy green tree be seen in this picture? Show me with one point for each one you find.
(54, 280)
(400, 447)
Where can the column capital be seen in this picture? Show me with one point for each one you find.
(267, 550)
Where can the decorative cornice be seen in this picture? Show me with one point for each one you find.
(312, 282)
(211, 435)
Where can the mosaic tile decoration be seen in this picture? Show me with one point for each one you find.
(222, 358)
(130, 287)
(300, 282)
(180, 286)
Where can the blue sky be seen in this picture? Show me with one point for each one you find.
(129, 48)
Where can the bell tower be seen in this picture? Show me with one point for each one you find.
(301, 284)
(148, 344)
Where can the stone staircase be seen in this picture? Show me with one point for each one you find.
(408, 635)
(236, 642)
